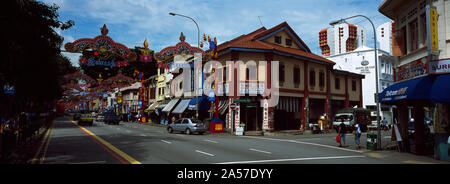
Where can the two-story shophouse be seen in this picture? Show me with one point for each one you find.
(273, 81)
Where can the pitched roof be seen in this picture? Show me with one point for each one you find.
(254, 39)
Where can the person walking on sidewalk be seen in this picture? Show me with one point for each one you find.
(342, 131)
(357, 136)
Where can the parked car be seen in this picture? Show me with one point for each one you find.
(187, 125)
(100, 118)
(111, 118)
(86, 118)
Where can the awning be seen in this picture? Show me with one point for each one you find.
(440, 91)
(223, 106)
(152, 107)
(181, 107)
(416, 89)
(171, 105)
(203, 103)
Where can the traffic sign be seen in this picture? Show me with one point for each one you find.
(211, 95)
(233, 105)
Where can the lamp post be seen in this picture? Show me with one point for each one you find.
(376, 73)
(198, 44)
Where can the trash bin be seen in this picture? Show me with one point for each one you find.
(372, 140)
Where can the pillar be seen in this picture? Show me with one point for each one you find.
(305, 100)
(419, 127)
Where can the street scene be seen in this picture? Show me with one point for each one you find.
(254, 82)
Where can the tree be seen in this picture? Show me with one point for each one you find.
(30, 52)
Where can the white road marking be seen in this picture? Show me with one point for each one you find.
(291, 159)
(166, 142)
(260, 151)
(209, 154)
(143, 135)
(179, 135)
(207, 140)
(301, 142)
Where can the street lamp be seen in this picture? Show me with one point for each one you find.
(376, 73)
(198, 44)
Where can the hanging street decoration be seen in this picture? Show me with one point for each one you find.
(145, 53)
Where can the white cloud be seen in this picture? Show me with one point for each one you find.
(131, 21)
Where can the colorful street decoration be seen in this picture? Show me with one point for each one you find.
(101, 43)
(166, 55)
(145, 53)
(118, 81)
(79, 76)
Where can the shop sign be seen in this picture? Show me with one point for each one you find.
(266, 115)
(9, 89)
(432, 32)
(439, 67)
(411, 70)
(251, 88)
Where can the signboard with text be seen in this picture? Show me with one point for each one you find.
(411, 70)
(432, 32)
(440, 67)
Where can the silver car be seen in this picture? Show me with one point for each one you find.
(187, 125)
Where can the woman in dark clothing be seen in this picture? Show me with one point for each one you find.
(342, 131)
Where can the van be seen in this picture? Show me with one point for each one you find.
(350, 115)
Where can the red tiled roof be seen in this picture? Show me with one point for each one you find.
(250, 41)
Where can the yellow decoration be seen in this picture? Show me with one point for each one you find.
(146, 44)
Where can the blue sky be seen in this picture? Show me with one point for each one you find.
(130, 22)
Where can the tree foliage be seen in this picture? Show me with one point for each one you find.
(30, 56)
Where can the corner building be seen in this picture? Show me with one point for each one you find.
(308, 85)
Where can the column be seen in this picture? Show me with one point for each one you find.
(305, 100)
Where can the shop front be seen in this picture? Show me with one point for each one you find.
(422, 113)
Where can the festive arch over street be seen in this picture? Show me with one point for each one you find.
(101, 43)
(167, 54)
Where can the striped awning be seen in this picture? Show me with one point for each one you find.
(289, 104)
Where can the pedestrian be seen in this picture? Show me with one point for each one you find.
(173, 119)
(342, 131)
(384, 123)
(357, 136)
(128, 117)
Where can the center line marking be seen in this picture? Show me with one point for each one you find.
(209, 154)
(210, 141)
(260, 151)
(166, 142)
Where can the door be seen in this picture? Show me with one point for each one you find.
(184, 124)
(176, 125)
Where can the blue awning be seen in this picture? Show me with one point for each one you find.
(203, 103)
(440, 92)
(416, 89)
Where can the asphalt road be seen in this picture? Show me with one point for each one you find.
(133, 143)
